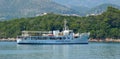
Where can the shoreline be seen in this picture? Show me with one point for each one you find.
(104, 40)
(90, 40)
(8, 40)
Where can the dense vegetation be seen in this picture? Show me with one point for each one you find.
(106, 25)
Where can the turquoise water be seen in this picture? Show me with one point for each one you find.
(12, 50)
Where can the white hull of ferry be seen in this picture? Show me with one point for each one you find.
(83, 40)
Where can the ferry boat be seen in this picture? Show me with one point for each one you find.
(53, 37)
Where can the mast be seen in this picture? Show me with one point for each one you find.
(65, 25)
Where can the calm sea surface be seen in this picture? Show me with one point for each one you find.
(12, 50)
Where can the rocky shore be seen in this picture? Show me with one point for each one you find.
(104, 40)
(8, 40)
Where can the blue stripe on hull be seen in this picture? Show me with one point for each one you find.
(52, 43)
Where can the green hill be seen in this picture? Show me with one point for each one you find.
(106, 25)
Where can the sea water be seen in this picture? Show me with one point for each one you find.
(12, 50)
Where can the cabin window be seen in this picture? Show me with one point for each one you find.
(39, 37)
(35, 38)
(25, 38)
(44, 38)
(60, 38)
(68, 37)
(64, 37)
(76, 37)
(53, 38)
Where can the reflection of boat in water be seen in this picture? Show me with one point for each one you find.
(53, 37)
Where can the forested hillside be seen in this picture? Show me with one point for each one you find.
(106, 25)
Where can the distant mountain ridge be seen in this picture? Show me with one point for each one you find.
(89, 6)
(28, 8)
(101, 8)
(10, 9)
(82, 10)
(87, 3)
